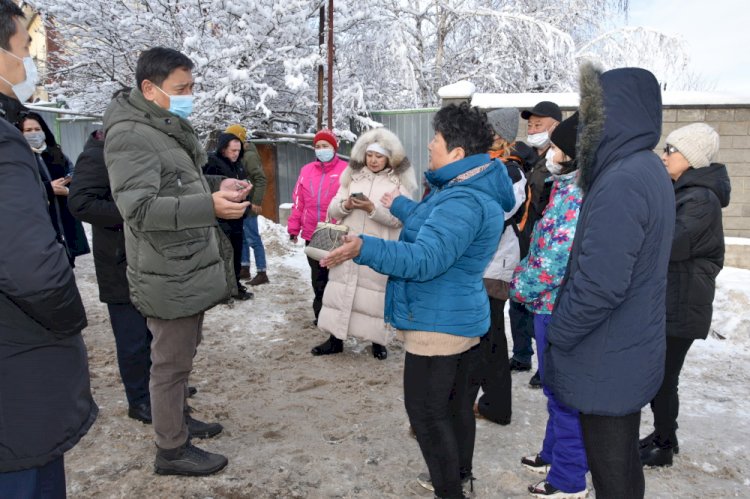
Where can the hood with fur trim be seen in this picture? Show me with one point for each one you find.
(398, 162)
(620, 114)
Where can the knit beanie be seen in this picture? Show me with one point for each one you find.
(565, 134)
(504, 122)
(328, 136)
(238, 131)
(698, 142)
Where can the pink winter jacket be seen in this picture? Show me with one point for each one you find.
(317, 184)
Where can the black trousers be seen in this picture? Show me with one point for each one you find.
(236, 237)
(319, 278)
(494, 374)
(133, 344)
(439, 394)
(666, 403)
(612, 450)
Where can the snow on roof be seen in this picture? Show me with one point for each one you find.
(570, 99)
(463, 89)
(737, 241)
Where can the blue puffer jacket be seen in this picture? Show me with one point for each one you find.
(435, 268)
(606, 339)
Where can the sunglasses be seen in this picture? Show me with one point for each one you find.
(668, 149)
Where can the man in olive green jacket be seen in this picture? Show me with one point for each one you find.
(176, 266)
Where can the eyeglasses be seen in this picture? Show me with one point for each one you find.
(668, 149)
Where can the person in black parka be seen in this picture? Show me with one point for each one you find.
(226, 161)
(90, 200)
(56, 171)
(701, 190)
(45, 395)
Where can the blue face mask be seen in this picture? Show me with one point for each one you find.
(180, 105)
(324, 155)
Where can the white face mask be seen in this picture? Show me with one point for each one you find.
(538, 140)
(554, 168)
(25, 89)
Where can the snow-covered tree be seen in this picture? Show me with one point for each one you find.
(252, 56)
(256, 60)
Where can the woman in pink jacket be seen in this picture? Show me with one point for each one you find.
(317, 184)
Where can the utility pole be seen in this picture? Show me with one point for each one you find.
(321, 41)
(330, 64)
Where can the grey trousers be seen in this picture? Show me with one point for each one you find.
(172, 350)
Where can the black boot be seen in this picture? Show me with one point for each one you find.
(140, 412)
(188, 460)
(330, 346)
(379, 351)
(657, 454)
(646, 442)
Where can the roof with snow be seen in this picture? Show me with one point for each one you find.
(570, 99)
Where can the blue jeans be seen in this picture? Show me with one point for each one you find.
(44, 482)
(252, 240)
(521, 330)
(133, 343)
(563, 441)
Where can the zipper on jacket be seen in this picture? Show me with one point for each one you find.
(317, 205)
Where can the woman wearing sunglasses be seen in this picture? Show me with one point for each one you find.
(701, 190)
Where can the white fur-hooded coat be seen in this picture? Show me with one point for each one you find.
(354, 298)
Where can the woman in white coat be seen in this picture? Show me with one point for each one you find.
(354, 299)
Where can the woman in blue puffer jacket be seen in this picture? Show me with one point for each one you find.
(435, 296)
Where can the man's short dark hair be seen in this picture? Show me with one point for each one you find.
(157, 63)
(9, 10)
(464, 126)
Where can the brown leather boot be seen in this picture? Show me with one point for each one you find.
(260, 278)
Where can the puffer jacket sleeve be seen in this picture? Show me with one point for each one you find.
(254, 170)
(608, 253)
(402, 207)
(294, 224)
(694, 217)
(336, 208)
(446, 234)
(90, 198)
(134, 167)
(34, 273)
(383, 215)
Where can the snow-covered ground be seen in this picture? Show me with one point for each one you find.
(317, 427)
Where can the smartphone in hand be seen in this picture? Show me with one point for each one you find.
(359, 196)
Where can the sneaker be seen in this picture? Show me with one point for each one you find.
(188, 460)
(467, 482)
(535, 463)
(330, 346)
(192, 391)
(535, 381)
(516, 365)
(260, 278)
(199, 429)
(545, 489)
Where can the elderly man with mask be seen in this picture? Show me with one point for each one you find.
(541, 121)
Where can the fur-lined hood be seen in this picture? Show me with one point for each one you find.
(400, 165)
(620, 114)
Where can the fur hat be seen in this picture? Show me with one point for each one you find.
(238, 131)
(397, 159)
(504, 122)
(328, 136)
(565, 134)
(698, 142)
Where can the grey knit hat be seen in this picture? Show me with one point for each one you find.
(504, 122)
(698, 142)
